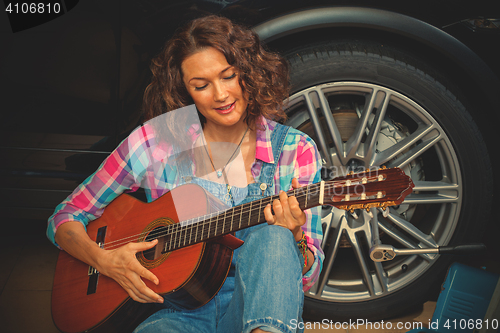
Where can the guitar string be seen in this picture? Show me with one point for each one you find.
(207, 219)
(177, 228)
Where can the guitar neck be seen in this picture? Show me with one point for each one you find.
(368, 189)
(236, 218)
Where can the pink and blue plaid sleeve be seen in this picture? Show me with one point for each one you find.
(121, 171)
(301, 156)
(308, 166)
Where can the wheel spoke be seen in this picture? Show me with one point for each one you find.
(375, 283)
(434, 192)
(371, 141)
(402, 239)
(381, 276)
(408, 147)
(353, 144)
(411, 230)
(362, 264)
(441, 186)
(330, 256)
(373, 235)
(331, 126)
(313, 115)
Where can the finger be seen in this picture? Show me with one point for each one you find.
(295, 183)
(147, 274)
(278, 210)
(143, 246)
(137, 285)
(288, 203)
(284, 200)
(294, 208)
(148, 294)
(143, 272)
(143, 292)
(268, 214)
(135, 294)
(297, 212)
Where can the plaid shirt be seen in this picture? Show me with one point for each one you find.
(127, 169)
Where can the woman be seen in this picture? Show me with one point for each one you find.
(239, 153)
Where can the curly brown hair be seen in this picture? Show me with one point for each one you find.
(263, 75)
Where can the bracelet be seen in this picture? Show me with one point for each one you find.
(302, 244)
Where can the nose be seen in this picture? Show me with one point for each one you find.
(220, 92)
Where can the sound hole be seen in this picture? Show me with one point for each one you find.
(155, 252)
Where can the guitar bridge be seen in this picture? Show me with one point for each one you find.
(92, 272)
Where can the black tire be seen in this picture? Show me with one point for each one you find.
(419, 98)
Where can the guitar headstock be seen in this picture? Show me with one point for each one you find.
(372, 188)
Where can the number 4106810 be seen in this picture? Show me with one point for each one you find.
(471, 324)
(33, 8)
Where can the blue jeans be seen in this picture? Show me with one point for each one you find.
(265, 291)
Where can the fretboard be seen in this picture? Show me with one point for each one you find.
(209, 226)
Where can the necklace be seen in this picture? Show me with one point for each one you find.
(219, 172)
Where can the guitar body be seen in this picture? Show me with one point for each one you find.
(189, 277)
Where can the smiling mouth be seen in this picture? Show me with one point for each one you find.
(226, 108)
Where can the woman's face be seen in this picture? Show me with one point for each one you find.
(214, 87)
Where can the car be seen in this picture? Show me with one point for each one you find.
(413, 85)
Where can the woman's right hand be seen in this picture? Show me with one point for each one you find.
(122, 266)
(119, 264)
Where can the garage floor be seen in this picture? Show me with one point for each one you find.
(26, 282)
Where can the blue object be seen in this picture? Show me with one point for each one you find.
(462, 304)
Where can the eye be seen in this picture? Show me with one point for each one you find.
(201, 88)
(230, 77)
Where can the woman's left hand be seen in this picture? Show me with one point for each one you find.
(287, 212)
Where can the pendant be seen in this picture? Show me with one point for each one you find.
(228, 197)
(219, 173)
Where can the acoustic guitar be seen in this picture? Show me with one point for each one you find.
(193, 255)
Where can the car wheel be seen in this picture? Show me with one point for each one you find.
(368, 105)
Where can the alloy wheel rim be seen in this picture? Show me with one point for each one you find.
(348, 273)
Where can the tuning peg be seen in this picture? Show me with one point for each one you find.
(385, 211)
